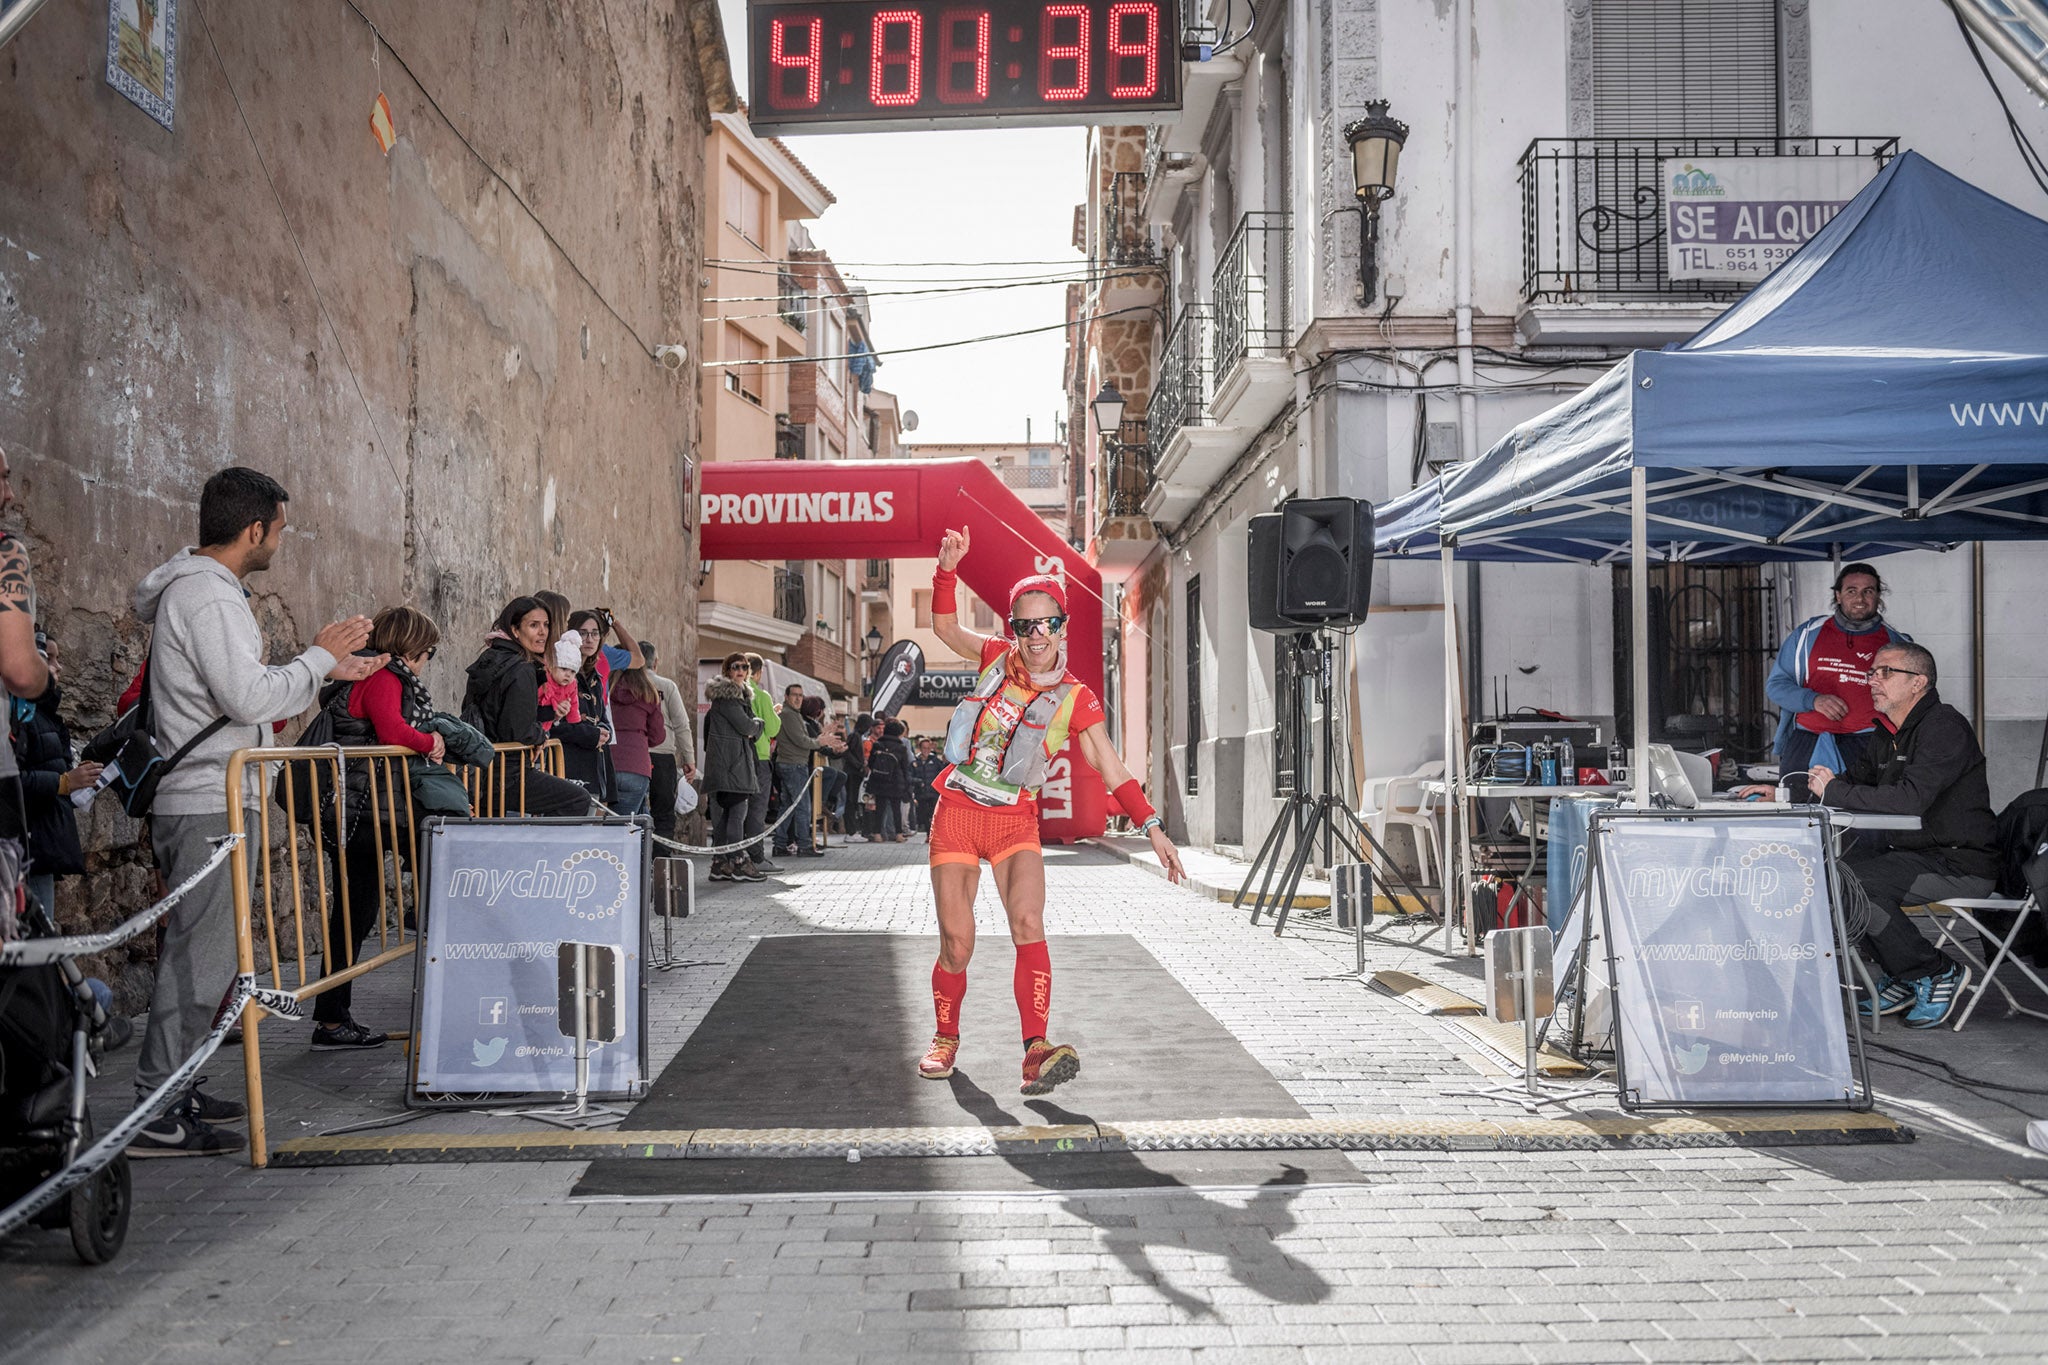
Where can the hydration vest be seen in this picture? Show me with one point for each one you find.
(1000, 773)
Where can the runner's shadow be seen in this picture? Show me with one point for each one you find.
(1246, 1239)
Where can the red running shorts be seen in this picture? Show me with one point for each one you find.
(964, 832)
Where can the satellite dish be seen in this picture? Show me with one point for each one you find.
(910, 421)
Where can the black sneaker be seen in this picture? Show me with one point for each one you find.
(213, 1109)
(183, 1133)
(118, 1033)
(347, 1033)
(810, 853)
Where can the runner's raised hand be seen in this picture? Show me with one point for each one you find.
(953, 549)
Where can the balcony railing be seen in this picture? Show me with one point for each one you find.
(1187, 375)
(1593, 212)
(795, 305)
(1124, 475)
(789, 596)
(1253, 297)
(1028, 476)
(878, 574)
(789, 440)
(1125, 238)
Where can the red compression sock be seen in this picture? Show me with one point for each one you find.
(1033, 983)
(948, 990)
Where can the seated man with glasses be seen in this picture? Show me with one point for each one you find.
(1923, 760)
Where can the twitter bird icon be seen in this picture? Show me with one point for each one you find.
(487, 1054)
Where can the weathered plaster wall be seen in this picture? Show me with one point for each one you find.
(474, 413)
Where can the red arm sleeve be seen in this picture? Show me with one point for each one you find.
(376, 699)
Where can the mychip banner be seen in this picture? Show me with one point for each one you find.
(502, 895)
(1727, 981)
(1738, 218)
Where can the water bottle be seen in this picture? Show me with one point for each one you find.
(1567, 764)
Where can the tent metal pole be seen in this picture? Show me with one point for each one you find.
(1454, 852)
(1639, 611)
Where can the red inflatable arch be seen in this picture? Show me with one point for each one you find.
(899, 509)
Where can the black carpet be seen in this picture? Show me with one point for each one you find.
(824, 1030)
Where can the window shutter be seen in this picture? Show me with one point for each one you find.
(1685, 68)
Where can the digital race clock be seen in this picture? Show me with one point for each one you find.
(843, 65)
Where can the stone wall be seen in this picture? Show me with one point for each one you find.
(443, 351)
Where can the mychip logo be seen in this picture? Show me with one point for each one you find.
(591, 883)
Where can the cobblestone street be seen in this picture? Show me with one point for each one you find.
(1928, 1251)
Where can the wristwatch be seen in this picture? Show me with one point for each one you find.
(1151, 822)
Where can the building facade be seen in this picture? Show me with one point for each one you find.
(792, 378)
(1518, 256)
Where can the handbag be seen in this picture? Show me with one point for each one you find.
(136, 769)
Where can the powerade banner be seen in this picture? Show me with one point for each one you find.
(501, 896)
(1727, 986)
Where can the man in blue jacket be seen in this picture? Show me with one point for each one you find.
(1821, 680)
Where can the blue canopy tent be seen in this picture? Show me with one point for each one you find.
(1886, 388)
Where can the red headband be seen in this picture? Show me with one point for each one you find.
(1044, 583)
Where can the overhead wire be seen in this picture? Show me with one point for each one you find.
(931, 346)
(2029, 154)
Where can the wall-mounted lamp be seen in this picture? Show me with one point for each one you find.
(1109, 411)
(672, 356)
(703, 571)
(1376, 142)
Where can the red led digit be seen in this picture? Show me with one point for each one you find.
(1050, 52)
(963, 67)
(907, 58)
(785, 60)
(1144, 51)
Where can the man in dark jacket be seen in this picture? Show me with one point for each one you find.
(1924, 761)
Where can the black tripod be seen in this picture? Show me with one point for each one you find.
(1307, 812)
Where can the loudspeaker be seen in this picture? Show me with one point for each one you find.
(1262, 560)
(1325, 561)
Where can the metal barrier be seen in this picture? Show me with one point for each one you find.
(391, 818)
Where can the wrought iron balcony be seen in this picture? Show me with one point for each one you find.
(1124, 475)
(878, 574)
(789, 595)
(1253, 289)
(789, 439)
(1593, 212)
(1187, 375)
(795, 305)
(1125, 238)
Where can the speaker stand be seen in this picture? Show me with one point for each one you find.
(1306, 813)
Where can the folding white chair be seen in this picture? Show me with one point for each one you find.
(1402, 801)
(1943, 914)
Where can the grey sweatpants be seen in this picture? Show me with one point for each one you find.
(197, 964)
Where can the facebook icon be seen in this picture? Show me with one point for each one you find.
(492, 1009)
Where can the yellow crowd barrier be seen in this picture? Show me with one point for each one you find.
(308, 877)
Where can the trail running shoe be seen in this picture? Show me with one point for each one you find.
(1892, 996)
(1934, 996)
(937, 1062)
(1047, 1065)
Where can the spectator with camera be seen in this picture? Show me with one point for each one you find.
(209, 685)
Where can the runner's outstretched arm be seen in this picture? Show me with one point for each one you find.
(1103, 757)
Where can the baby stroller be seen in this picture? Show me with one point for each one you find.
(51, 1030)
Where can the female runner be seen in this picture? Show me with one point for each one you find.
(1025, 706)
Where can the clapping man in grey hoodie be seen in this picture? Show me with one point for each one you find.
(206, 662)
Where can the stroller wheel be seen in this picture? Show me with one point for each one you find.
(99, 1210)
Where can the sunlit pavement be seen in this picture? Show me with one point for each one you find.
(1934, 1250)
